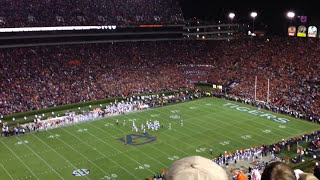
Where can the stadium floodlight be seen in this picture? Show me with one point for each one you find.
(231, 16)
(254, 15)
(291, 14)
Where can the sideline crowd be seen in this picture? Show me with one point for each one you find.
(259, 171)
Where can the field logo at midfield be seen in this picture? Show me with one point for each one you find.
(137, 139)
(81, 172)
(257, 113)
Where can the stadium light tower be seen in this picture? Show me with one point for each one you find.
(231, 16)
(291, 15)
(253, 15)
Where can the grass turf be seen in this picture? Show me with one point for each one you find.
(55, 154)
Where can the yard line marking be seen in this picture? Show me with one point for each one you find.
(59, 154)
(102, 153)
(220, 133)
(82, 155)
(202, 134)
(270, 122)
(198, 132)
(116, 149)
(184, 135)
(31, 154)
(6, 171)
(41, 159)
(254, 126)
(274, 140)
(135, 147)
(180, 133)
(166, 144)
(19, 160)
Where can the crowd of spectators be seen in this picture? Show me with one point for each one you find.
(39, 13)
(292, 66)
(274, 168)
(39, 77)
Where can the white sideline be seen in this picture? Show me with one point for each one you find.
(102, 154)
(42, 159)
(20, 160)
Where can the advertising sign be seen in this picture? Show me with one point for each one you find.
(312, 31)
(292, 31)
(302, 31)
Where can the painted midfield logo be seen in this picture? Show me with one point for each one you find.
(137, 139)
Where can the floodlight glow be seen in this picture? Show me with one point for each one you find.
(231, 15)
(291, 14)
(254, 14)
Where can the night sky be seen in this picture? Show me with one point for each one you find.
(273, 19)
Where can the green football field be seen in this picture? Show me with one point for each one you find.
(107, 151)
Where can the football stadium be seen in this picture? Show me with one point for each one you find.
(108, 90)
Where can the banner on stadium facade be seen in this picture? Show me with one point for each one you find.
(292, 31)
(302, 31)
(312, 31)
(214, 86)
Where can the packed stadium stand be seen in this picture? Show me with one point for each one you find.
(39, 77)
(46, 13)
(141, 47)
